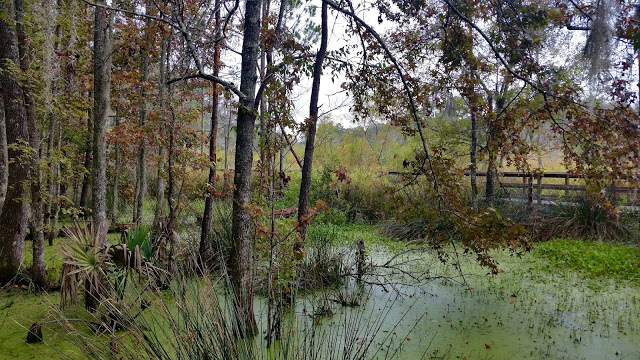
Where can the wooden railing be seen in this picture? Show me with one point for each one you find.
(534, 183)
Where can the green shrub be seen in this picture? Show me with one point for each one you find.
(140, 236)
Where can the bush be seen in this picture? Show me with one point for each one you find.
(583, 219)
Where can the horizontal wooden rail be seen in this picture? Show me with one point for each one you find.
(620, 189)
(552, 175)
(533, 184)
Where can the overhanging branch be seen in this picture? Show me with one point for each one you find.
(225, 84)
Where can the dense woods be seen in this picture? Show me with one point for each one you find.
(201, 150)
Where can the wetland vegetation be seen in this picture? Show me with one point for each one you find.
(180, 180)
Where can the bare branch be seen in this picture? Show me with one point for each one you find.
(225, 84)
(129, 12)
(286, 138)
(414, 110)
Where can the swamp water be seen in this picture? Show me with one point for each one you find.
(526, 312)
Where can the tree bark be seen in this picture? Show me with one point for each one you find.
(116, 175)
(263, 136)
(227, 136)
(171, 184)
(141, 183)
(58, 190)
(240, 267)
(37, 220)
(4, 173)
(101, 98)
(162, 105)
(88, 156)
(492, 174)
(205, 246)
(473, 160)
(13, 223)
(307, 165)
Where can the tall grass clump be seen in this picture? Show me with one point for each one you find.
(221, 231)
(195, 319)
(583, 219)
(323, 264)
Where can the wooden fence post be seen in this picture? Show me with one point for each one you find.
(539, 188)
(566, 183)
(530, 190)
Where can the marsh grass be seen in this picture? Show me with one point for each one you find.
(195, 319)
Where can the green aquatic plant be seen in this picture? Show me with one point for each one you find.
(592, 258)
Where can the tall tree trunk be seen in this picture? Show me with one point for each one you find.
(307, 166)
(227, 136)
(263, 136)
(141, 183)
(58, 191)
(37, 221)
(15, 211)
(281, 164)
(473, 160)
(492, 171)
(171, 180)
(162, 105)
(205, 246)
(55, 140)
(88, 156)
(489, 192)
(240, 267)
(101, 97)
(4, 173)
(116, 175)
(53, 173)
(171, 183)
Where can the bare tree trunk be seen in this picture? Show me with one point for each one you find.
(37, 221)
(473, 160)
(171, 183)
(281, 164)
(4, 173)
(490, 188)
(141, 183)
(13, 223)
(227, 135)
(88, 156)
(116, 175)
(101, 98)
(58, 191)
(240, 267)
(53, 173)
(162, 105)
(205, 246)
(307, 166)
(263, 136)
(492, 173)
